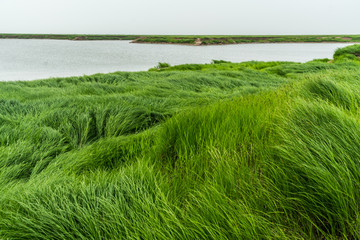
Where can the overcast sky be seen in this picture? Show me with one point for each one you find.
(180, 16)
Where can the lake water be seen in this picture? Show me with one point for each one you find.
(35, 59)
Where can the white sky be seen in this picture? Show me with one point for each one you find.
(180, 16)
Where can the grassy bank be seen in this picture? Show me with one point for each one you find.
(253, 150)
(68, 36)
(193, 39)
(234, 39)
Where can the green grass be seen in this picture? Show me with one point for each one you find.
(190, 39)
(253, 150)
(351, 52)
(68, 36)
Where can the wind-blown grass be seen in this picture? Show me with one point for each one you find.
(349, 50)
(248, 150)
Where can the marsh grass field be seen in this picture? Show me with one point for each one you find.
(252, 150)
(195, 39)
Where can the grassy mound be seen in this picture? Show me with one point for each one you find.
(351, 52)
(225, 150)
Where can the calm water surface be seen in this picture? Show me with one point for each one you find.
(35, 59)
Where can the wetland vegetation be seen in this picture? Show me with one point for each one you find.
(252, 150)
(194, 39)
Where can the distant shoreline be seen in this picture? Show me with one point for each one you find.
(195, 40)
(188, 44)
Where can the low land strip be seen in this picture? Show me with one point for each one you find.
(196, 40)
